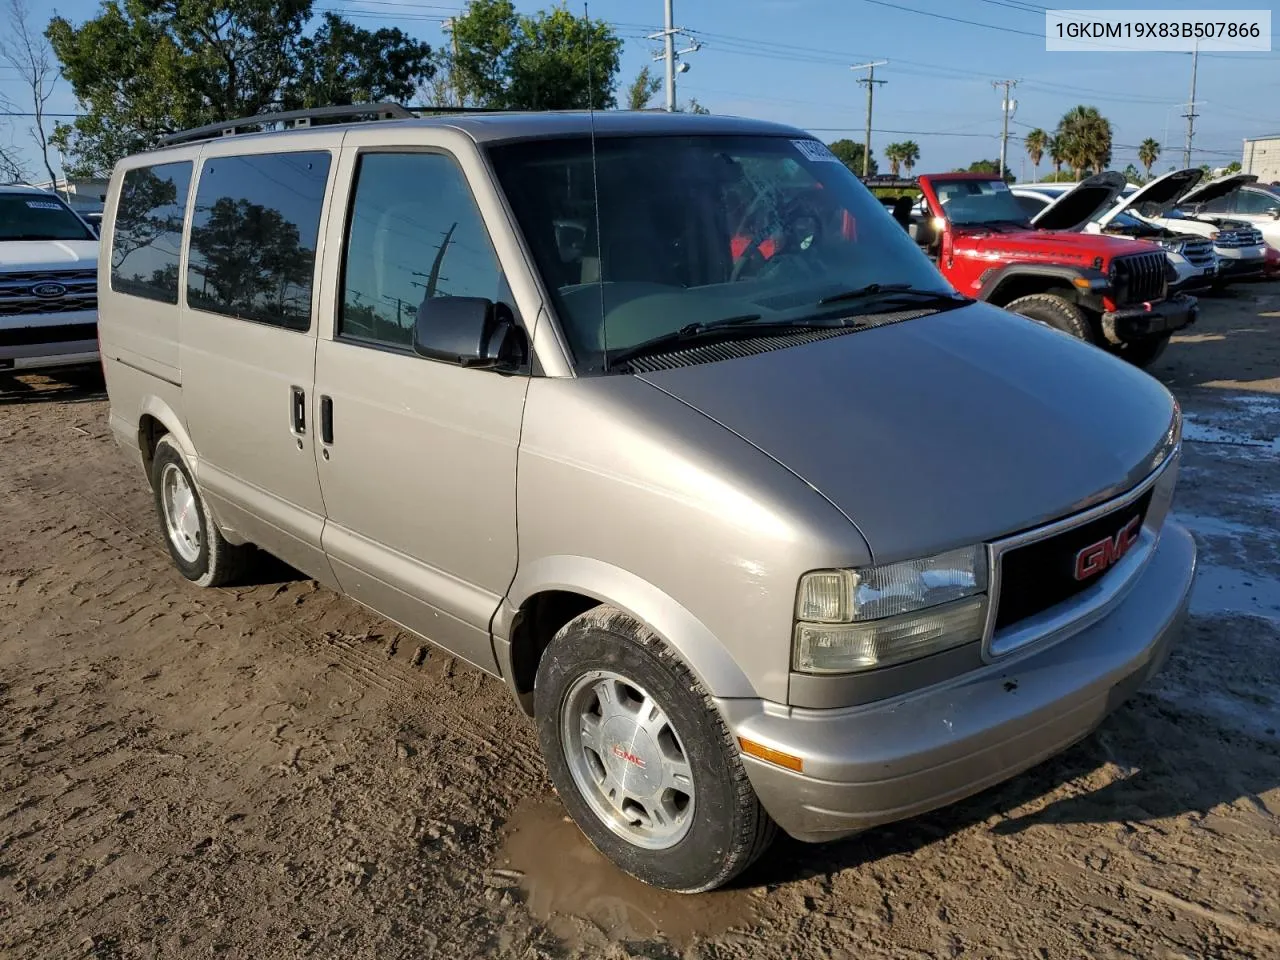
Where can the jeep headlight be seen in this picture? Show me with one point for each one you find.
(851, 620)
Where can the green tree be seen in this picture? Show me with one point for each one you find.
(551, 60)
(1131, 174)
(1235, 166)
(987, 166)
(1037, 144)
(342, 64)
(893, 153)
(910, 154)
(642, 89)
(1148, 154)
(1057, 155)
(144, 68)
(850, 154)
(1085, 137)
(693, 106)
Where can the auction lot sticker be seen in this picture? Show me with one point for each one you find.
(1150, 31)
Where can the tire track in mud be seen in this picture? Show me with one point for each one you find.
(428, 695)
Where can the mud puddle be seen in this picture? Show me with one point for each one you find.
(567, 883)
(1226, 590)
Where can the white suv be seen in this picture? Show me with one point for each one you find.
(48, 283)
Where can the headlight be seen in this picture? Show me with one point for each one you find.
(849, 620)
(1173, 246)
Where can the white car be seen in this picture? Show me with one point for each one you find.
(1078, 206)
(1251, 203)
(1165, 201)
(48, 283)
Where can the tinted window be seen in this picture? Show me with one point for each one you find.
(1030, 205)
(691, 230)
(38, 216)
(148, 231)
(1217, 205)
(415, 233)
(253, 236)
(1255, 201)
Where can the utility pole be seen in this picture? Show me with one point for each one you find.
(669, 52)
(871, 81)
(1191, 108)
(1006, 108)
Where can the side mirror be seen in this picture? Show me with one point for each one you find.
(1275, 214)
(469, 332)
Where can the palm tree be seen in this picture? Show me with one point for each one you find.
(1148, 154)
(1036, 142)
(1086, 139)
(910, 154)
(1054, 148)
(893, 153)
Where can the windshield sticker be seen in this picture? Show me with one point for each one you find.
(815, 150)
(43, 205)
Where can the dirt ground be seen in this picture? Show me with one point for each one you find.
(272, 771)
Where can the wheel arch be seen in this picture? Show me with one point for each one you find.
(1003, 285)
(550, 592)
(155, 420)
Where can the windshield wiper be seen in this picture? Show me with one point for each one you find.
(892, 292)
(726, 329)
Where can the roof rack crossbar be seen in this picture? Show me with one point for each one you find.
(290, 119)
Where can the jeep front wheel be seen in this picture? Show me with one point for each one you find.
(1054, 311)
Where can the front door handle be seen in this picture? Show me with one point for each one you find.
(298, 403)
(326, 419)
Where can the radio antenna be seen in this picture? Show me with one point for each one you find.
(595, 189)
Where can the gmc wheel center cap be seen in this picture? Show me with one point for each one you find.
(631, 757)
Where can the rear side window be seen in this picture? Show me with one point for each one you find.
(1255, 201)
(415, 233)
(148, 231)
(253, 236)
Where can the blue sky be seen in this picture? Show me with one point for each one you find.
(788, 60)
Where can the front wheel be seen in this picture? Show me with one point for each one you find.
(1054, 311)
(641, 758)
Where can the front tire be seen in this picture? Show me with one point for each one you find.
(197, 547)
(1054, 311)
(641, 758)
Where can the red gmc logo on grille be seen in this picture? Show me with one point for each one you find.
(1100, 556)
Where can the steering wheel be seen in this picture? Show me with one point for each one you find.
(793, 237)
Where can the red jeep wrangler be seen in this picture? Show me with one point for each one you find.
(1108, 290)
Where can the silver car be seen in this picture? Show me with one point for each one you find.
(664, 421)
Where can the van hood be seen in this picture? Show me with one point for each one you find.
(942, 431)
(1208, 192)
(1081, 203)
(1164, 192)
(27, 255)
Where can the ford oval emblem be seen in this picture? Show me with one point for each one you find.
(49, 291)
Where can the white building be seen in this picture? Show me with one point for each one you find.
(82, 196)
(1262, 157)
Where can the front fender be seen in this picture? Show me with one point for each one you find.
(700, 649)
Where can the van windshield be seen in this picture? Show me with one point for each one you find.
(37, 216)
(698, 230)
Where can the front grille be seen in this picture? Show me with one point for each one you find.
(1199, 252)
(1042, 574)
(1239, 237)
(1140, 277)
(57, 333)
(18, 297)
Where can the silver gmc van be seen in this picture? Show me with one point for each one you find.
(663, 420)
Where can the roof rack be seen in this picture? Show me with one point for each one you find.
(295, 119)
(290, 120)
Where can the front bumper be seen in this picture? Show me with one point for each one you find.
(887, 761)
(1128, 324)
(47, 341)
(1241, 268)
